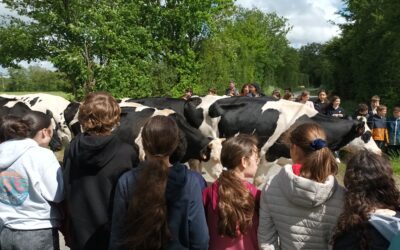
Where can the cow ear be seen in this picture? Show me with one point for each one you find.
(49, 113)
(360, 128)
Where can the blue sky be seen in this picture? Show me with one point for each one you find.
(311, 20)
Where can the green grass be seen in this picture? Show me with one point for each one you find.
(67, 96)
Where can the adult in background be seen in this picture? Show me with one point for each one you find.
(30, 184)
(305, 99)
(288, 96)
(334, 108)
(232, 203)
(255, 90)
(321, 104)
(300, 205)
(371, 192)
(231, 90)
(158, 204)
(374, 104)
(92, 165)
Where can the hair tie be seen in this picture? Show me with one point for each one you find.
(224, 169)
(317, 144)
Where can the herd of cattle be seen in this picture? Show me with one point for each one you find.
(204, 123)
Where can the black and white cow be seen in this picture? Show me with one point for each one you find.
(19, 109)
(272, 120)
(45, 103)
(206, 151)
(195, 110)
(198, 147)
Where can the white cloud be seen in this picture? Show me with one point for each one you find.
(310, 19)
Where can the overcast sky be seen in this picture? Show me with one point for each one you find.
(311, 20)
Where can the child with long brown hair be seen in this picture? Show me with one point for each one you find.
(231, 202)
(158, 204)
(300, 205)
(371, 190)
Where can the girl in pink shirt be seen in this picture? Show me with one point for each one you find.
(232, 203)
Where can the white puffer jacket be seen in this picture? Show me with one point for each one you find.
(300, 212)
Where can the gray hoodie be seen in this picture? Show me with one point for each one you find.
(30, 178)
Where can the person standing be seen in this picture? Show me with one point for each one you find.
(393, 125)
(377, 124)
(158, 204)
(321, 104)
(30, 184)
(374, 104)
(92, 165)
(334, 108)
(299, 206)
(371, 192)
(304, 98)
(231, 90)
(232, 203)
(255, 90)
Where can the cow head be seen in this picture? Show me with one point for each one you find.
(363, 140)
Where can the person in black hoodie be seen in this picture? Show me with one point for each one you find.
(92, 165)
(158, 205)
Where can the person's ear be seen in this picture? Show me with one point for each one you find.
(244, 162)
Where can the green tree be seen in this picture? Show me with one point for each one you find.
(119, 46)
(248, 47)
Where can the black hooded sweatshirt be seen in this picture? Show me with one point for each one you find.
(92, 166)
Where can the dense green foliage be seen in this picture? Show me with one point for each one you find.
(34, 78)
(148, 48)
(364, 60)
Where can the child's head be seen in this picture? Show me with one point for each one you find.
(375, 101)
(362, 109)
(370, 176)
(396, 112)
(381, 110)
(240, 154)
(236, 204)
(99, 113)
(40, 127)
(310, 149)
(335, 101)
(160, 136)
(370, 185)
(13, 127)
(305, 96)
(322, 95)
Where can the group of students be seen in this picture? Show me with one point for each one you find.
(101, 198)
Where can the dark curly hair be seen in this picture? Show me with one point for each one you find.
(370, 185)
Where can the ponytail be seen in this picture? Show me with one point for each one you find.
(147, 222)
(236, 205)
(147, 225)
(318, 162)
